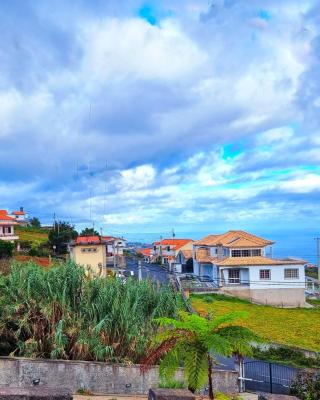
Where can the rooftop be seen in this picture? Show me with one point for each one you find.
(175, 243)
(234, 239)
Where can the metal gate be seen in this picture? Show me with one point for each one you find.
(260, 376)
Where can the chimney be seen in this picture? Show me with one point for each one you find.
(21, 209)
(219, 251)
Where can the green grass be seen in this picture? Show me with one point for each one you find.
(33, 235)
(297, 327)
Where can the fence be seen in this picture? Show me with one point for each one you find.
(260, 376)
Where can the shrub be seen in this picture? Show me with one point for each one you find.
(306, 386)
(6, 249)
(287, 355)
(60, 313)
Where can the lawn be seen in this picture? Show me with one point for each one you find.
(298, 327)
(36, 236)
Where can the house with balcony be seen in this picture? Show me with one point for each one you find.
(237, 262)
(7, 225)
(166, 251)
(21, 217)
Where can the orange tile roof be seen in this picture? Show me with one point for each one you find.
(88, 239)
(187, 254)
(5, 217)
(175, 243)
(251, 261)
(145, 252)
(18, 213)
(203, 256)
(234, 239)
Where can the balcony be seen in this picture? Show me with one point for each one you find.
(8, 237)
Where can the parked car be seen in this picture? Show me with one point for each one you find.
(205, 278)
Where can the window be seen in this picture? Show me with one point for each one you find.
(168, 248)
(234, 275)
(291, 273)
(154, 247)
(265, 274)
(246, 253)
(256, 252)
(236, 253)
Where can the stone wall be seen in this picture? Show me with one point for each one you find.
(94, 376)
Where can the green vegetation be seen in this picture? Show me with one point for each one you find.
(60, 313)
(172, 384)
(89, 232)
(306, 386)
(6, 249)
(288, 356)
(34, 236)
(191, 340)
(59, 237)
(314, 302)
(297, 327)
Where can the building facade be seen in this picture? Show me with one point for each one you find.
(20, 217)
(166, 251)
(98, 254)
(237, 263)
(7, 225)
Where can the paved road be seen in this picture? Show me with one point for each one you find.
(149, 271)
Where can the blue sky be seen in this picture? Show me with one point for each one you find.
(144, 116)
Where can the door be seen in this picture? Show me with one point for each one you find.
(234, 276)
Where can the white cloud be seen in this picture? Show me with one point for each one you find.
(302, 184)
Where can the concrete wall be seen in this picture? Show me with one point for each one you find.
(91, 259)
(94, 376)
(273, 297)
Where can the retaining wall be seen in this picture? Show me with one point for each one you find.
(97, 377)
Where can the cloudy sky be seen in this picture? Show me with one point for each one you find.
(144, 116)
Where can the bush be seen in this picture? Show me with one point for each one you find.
(287, 355)
(306, 386)
(6, 249)
(172, 384)
(60, 313)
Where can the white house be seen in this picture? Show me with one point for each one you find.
(166, 251)
(238, 265)
(20, 217)
(7, 225)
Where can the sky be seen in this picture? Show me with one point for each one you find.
(141, 117)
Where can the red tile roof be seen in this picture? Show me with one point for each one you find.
(145, 252)
(5, 217)
(175, 243)
(18, 213)
(87, 240)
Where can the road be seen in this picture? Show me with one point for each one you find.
(149, 271)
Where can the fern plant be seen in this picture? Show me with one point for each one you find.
(193, 341)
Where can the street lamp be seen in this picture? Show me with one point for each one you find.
(54, 249)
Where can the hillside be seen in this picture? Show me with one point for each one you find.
(33, 235)
(297, 327)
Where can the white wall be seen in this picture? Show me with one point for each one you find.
(277, 277)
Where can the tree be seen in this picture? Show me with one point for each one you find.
(35, 222)
(89, 232)
(6, 249)
(61, 234)
(192, 341)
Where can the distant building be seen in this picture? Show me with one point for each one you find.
(7, 225)
(20, 216)
(98, 254)
(166, 251)
(147, 254)
(238, 265)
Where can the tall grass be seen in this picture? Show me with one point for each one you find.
(59, 313)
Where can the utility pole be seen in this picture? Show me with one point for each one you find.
(139, 271)
(318, 256)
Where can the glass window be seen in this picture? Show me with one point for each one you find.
(236, 253)
(265, 274)
(291, 273)
(256, 252)
(234, 275)
(246, 253)
(168, 248)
